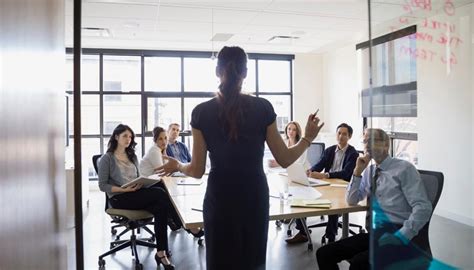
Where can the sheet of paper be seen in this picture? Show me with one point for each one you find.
(305, 193)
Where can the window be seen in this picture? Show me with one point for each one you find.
(162, 112)
(127, 111)
(144, 89)
(391, 103)
(163, 74)
(123, 71)
(274, 76)
(199, 75)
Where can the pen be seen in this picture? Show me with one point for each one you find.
(195, 209)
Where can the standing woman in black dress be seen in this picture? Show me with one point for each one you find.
(233, 127)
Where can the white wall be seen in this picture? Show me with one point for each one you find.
(307, 90)
(341, 93)
(328, 82)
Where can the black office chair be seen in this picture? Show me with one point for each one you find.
(116, 220)
(315, 152)
(433, 182)
(132, 220)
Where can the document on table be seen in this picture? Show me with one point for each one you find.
(304, 193)
(188, 181)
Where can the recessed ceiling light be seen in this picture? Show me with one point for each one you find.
(131, 25)
(282, 39)
(223, 37)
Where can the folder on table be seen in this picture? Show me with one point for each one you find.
(319, 203)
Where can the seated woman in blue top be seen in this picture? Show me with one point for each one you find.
(234, 127)
(119, 166)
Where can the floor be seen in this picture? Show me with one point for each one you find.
(187, 254)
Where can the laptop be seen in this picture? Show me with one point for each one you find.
(297, 174)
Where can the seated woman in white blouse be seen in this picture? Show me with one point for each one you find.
(292, 137)
(154, 157)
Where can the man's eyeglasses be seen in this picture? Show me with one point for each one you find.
(370, 140)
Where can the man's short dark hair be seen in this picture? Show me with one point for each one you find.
(344, 125)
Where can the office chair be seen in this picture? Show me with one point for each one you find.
(433, 182)
(116, 221)
(420, 245)
(132, 220)
(315, 152)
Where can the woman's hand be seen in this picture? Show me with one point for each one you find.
(169, 167)
(312, 127)
(272, 163)
(132, 188)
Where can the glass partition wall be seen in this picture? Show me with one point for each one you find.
(416, 83)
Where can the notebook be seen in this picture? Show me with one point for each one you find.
(146, 182)
(297, 174)
(319, 203)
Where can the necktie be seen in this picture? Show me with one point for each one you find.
(373, 189)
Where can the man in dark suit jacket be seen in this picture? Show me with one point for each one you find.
(337, 161)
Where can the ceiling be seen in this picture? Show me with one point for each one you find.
(314, 26)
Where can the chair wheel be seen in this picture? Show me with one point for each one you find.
(278, 223)
(113, 231)
(151, 240)
(310, 247)
(101, 263)
(139, 266)
(112, 246)
(289, 232)
(117, 238)
(200, 242)
(361, 230)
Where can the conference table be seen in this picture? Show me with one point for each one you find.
(188, 201)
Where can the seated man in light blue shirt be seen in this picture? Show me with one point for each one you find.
(401, 209)
(175, 148)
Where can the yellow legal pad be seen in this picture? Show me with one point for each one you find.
(320, 203)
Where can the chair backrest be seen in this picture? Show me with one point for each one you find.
(433, 182)
(315, 152)
(95, 162)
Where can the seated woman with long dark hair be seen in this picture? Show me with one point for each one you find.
(119, 166)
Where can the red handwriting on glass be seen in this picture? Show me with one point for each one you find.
(451, 59)
(417, 4)
(433, 24)
(449, 8)
(422, 37)
(451, 41)
(423, 54)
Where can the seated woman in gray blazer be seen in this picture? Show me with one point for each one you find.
(119, 166)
